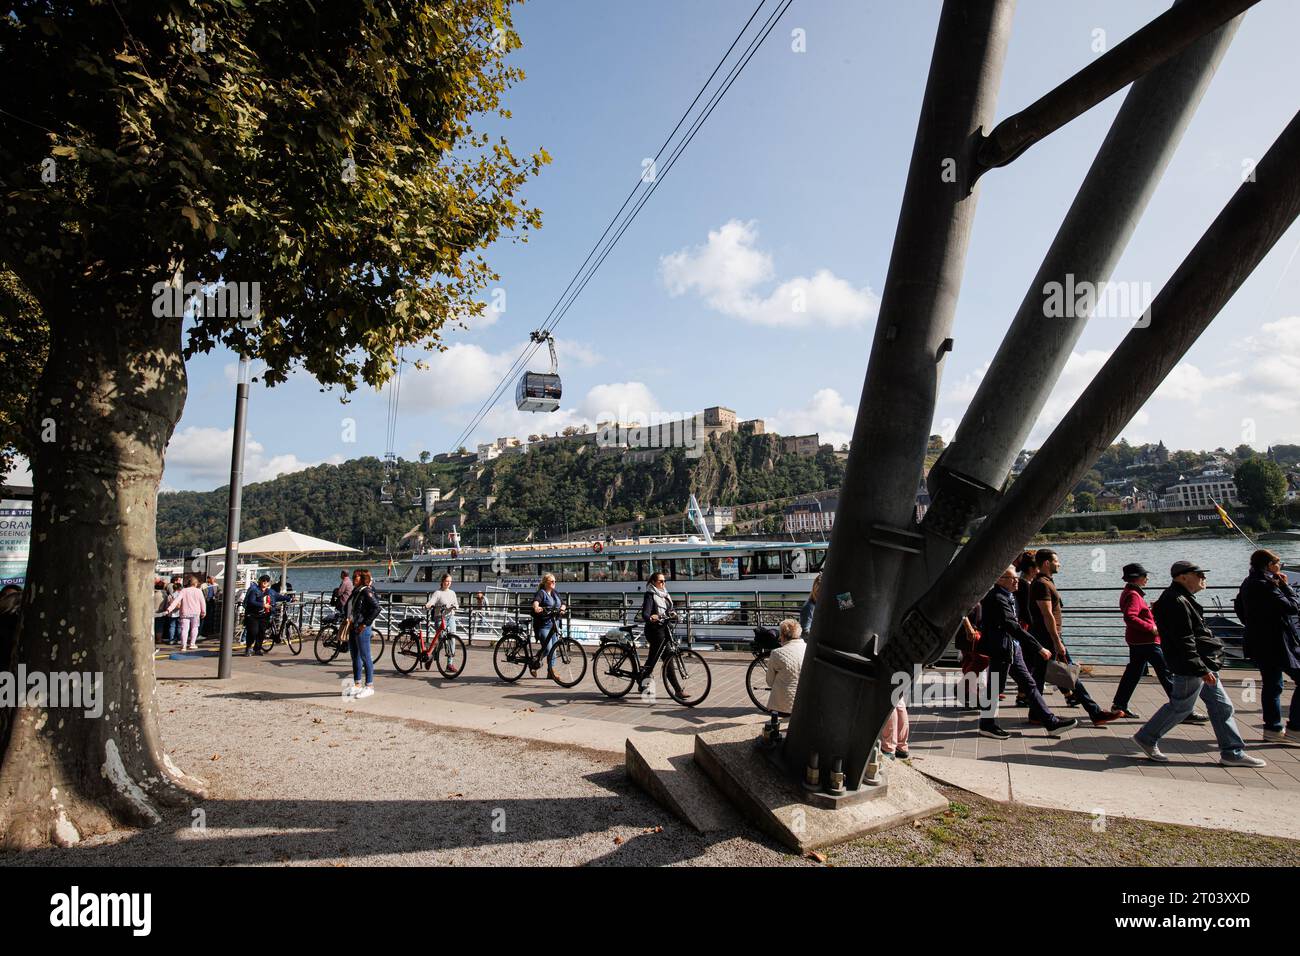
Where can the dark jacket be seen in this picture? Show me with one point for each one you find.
(255, 601)
(363, 607)
(1272, 621)
(1000, 628)
(1190, 648)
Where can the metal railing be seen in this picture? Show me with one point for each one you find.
(725, 621)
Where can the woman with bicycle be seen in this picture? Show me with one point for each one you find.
(547, 606)
(657, 612)
(442, 603)
(361, 612)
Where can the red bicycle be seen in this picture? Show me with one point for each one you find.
(414, 646)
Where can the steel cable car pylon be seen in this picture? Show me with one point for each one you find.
(540, 391)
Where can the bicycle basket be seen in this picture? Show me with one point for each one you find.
(765, 639)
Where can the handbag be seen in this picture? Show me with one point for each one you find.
(972, 661)
(1064, 676)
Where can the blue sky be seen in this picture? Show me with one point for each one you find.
(795, 184)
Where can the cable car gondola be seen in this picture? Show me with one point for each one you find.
(540, 391)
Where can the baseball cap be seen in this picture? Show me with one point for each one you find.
(1186, 567)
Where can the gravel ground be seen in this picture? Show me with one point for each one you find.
(298, 784)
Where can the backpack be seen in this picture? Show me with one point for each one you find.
(334, 600)
(1239, 602)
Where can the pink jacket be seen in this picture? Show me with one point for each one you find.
(191, 602)
(1139, 621)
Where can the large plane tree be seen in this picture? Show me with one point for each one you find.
(333, 155)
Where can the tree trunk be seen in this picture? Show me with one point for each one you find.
(107, 404)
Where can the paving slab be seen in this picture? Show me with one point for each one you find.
(1153, 795)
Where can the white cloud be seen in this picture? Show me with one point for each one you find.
(623, 401)
(825, 413)
(1248, 394)
(569, 353)
(728, 270)
(462, 374)
(200, 458)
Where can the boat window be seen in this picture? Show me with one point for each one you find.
(690, 569)
(569, 571)
(797, 561)
(762, 562)
(816, 558)
(424, 574)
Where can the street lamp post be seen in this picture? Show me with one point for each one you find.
(228, 608)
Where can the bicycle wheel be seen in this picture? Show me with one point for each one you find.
(378, 644)
(450, 656)
(293, 638)
(756, 682)
(605, 663)
(406, 651)
(568, 663)
(326, 645)
(686, 677)
(510, 658)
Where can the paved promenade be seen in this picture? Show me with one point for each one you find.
(1086, 767)
(938, 732)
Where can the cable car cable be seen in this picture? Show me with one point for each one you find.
(527, 353)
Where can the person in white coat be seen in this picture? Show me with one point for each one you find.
(783, 667)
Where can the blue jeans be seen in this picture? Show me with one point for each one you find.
(1141, 656)
(359, 647)
(1271, 697)
(1181, 702)
(547, 637)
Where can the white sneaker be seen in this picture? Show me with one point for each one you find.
(350, 690)
(366, 692)
(1245, 760)
(1153, 752)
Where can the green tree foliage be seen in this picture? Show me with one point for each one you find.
(1261, 484)
(1085, 501)
(570, 485)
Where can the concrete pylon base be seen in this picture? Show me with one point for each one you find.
(780, 807)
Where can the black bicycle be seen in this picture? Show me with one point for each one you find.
(764, 643)
(281, 630)
(616, 667)
(566, 663)
(329, 644)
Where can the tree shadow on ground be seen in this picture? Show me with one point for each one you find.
(223, 832)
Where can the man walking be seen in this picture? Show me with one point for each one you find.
(1195, 657)
(1045, 609)
(1001, 639)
